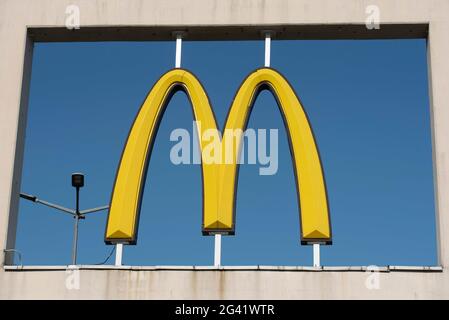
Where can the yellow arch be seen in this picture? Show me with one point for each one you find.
(219, 179)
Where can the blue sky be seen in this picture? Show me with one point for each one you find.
(367, 102)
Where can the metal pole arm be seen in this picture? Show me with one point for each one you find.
(83, 212)
(55, 206)
(46, 203)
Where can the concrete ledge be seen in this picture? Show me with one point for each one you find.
(229, 282)
(230, 268)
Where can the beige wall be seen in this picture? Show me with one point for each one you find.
(203, 19)
(208, 284)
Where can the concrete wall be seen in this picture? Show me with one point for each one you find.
(182, 283)
(24, 21)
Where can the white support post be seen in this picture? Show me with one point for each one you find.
(217, 255)
(267, 48)
(316, 255)
(118, 254)
(178, 50)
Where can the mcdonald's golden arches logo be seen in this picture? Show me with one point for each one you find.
(219, 179)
